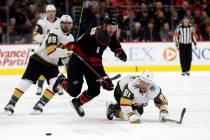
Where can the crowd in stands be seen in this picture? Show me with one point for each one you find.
(139, 20)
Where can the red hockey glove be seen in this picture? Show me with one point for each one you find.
(121, 54)
(70, 46)
(107, 83)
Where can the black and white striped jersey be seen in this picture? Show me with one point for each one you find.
(185, 34)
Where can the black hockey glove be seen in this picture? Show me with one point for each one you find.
(121, 54)
(107, 83)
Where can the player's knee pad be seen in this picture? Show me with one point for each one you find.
(74, 87)
(24, 84)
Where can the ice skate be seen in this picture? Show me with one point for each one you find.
(79, 109)
(9, 109)
(37, 109)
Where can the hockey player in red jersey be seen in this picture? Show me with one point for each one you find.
(90, 46)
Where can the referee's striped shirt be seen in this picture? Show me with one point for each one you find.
(185, 34)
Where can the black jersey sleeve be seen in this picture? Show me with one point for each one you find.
(114, 44)
(39, 29)
(160, 99)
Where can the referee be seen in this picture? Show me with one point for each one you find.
(184, 36)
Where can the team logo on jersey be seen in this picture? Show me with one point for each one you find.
(170, 54)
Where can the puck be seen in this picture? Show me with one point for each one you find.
(48, 134)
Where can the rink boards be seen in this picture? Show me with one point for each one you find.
(156, 56)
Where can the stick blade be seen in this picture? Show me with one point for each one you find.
(182, 115)
(116, 77)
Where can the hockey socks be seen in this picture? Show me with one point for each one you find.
(46, 97)
(9, 108)
(84, 98)
(15, 96)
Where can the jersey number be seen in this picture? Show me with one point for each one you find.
(162, 98)
(98, 50)
(93, 31)
(51, 39)
(126, 93)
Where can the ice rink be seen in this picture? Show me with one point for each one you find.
(62, 122)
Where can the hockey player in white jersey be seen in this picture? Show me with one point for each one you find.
(45, 25)
(41, 30)
(45, 62)
(132, 94)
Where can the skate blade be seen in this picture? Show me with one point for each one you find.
(36, 112)
(9, 113)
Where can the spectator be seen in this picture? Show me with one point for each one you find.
(184, 7)
(165, 33)
(119, 35)
(151, 34)
(204, 27)
(206, 35)
(12, 30)
(143, 15)
(137, 33)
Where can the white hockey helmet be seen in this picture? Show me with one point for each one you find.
(147, 77)
(50, 7)
(66, 18)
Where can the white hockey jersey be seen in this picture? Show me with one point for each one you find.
(131, 95)
(43, 27)
(51, 50)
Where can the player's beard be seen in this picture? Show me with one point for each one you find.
(66, 30)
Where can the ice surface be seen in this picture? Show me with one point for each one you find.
(60, 119)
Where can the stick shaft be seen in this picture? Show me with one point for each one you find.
(80, 19)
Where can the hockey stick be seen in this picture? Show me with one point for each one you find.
(181, 117)
(94, 71)
(80, 19)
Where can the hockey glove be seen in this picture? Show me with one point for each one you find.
(107, 83)
(121, 54)
(163, 116)
(133, 118)
(70, 46)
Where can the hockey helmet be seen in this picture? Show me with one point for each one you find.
(147, 77)
(50, 7)
(110, 19)
(66, 18)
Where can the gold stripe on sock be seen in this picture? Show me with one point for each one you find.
(48, 94)
(17, 93)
